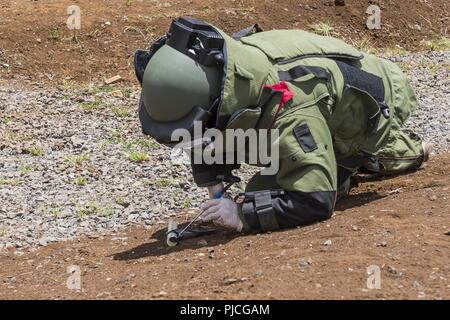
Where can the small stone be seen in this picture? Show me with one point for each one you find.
(339, 2)
(229, 281)
(355, 228)
(392, 270)
(130, 276)
(77, 141)
(327, 243)
(160, 294)
(305, 262)
(202, 242)
(433, 198)
(382, 244)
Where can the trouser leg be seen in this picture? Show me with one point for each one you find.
(403, 152)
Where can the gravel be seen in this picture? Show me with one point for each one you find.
(430, 76)
(65, 169)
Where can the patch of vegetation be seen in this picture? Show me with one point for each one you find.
(121, 112)
(6, 120)
(128, 3)
(35, 151)
(392, 51)
(80, 181)
(121, 201)
(10, 182)
(5, 231)
(54, 35)
(364, 44)
(25, 168)
(129, 145)
(95, 105)
(143, 144)
(323, 29)
(94, 208)
(187, 203)
(163, 183)
(436, 44)
(69, 84)
(137, 156)
(77, 160)
(127, 92)
(50, 210)
(434, 69)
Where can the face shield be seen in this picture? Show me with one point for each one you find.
(200, 48)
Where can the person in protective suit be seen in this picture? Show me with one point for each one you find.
(337, 110)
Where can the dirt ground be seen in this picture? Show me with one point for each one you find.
(400, 225)
(37, 47)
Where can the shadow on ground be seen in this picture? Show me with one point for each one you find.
(159, 247)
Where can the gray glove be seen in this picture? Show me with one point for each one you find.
(223, 211)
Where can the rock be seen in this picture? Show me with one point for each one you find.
(392, 270)
(327, 243)
(305, 262)
(77, 141)
(339, 2)
(229, 281)
(210, 253)
(433, 198)
(202, 242)
(160, 294)
(382, 244)
(130, 276)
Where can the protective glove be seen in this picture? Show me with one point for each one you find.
(213, 190)
(223, 211)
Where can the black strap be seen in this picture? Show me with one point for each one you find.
(265, 211)
(254, 28)
(141, 58)
(300, 71)
(365, 81)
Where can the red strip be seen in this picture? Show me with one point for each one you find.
(286, 96)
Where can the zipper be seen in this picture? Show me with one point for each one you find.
(282, 61)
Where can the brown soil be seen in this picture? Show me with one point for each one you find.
(400, 224)
(38, 47)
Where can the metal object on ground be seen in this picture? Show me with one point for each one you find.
(175, 234)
